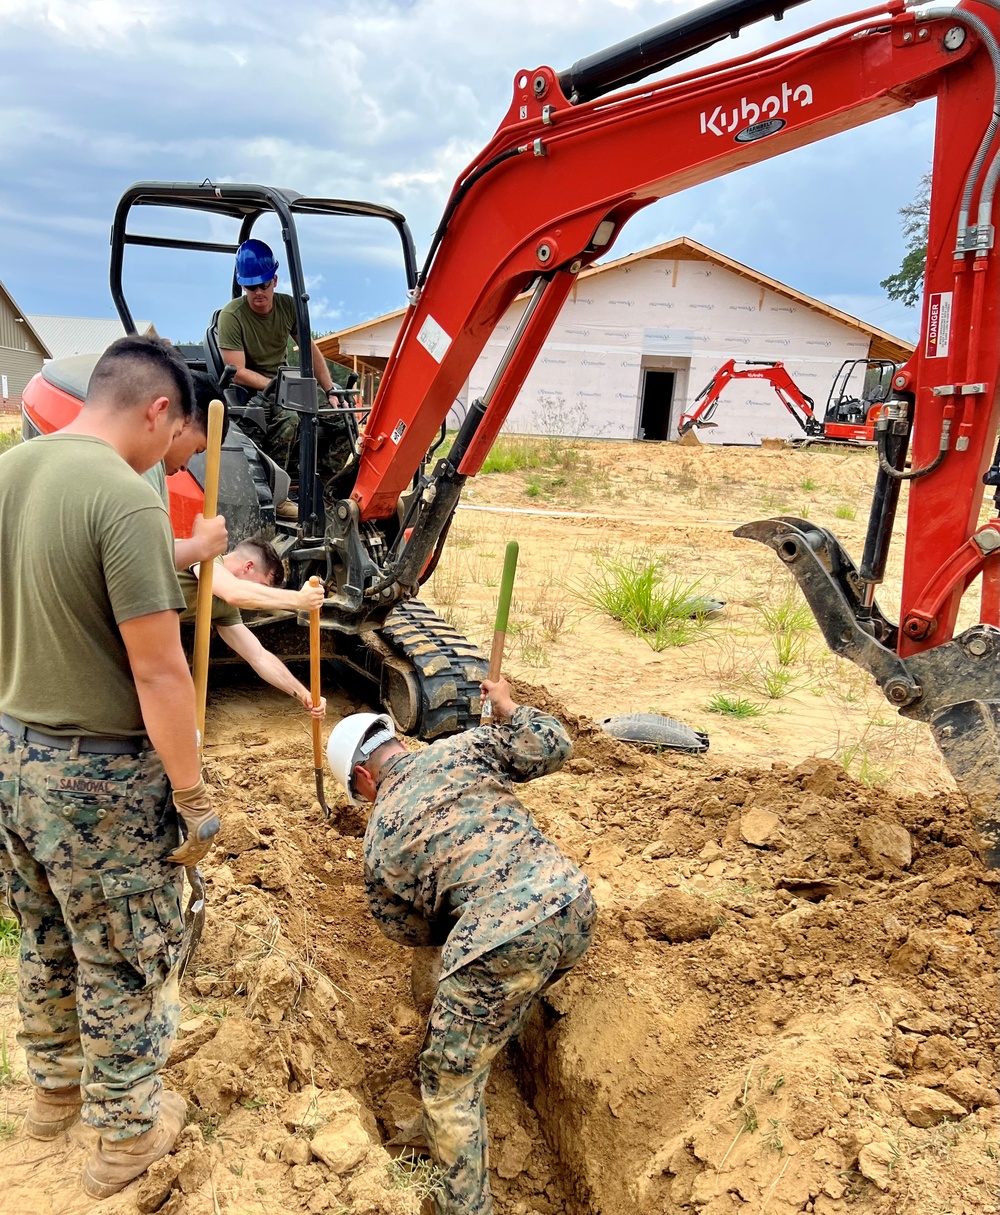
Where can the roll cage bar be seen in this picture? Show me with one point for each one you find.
(245, 203)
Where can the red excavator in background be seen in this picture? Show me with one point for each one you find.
(576, 155)
(860, 389)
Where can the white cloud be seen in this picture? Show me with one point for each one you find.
(385, 100)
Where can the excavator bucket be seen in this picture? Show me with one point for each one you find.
(689, 439)
(952, 687)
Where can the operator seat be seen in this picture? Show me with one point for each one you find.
(244, 414)
(236, 397)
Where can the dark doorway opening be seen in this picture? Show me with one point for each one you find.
(657, 398)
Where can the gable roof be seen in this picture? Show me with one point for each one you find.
(682, 248)
(68, 335)
(42, 347)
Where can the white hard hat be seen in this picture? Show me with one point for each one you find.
(351, 742)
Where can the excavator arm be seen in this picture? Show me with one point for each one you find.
(569, 165)
(785, 389)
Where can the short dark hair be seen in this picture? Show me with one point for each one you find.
(266, 556)
(205, 392)
(135, 370)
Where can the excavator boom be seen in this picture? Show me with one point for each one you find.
(775, 373)
(570, 164)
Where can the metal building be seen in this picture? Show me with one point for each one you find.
(22, 351)
(639, 338)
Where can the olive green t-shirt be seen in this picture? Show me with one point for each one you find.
(224, 615)
(157, 477)
(263, 339)
(86, 546)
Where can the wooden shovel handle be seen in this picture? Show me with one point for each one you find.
(203, 607)
(314, 680)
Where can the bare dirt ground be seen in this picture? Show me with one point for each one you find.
(792, 1002)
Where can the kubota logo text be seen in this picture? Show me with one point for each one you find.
(747, 113)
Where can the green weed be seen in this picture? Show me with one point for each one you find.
(8, 439)
(10, 938)
(512, 455)
(417, 1174)
(8, 1128)
(772, 1136)
(632, 590)
(789, 616)
(788, 648)
(774, 682)
(845, 511)
(808, 484)
(733, 706)
(858, 760)
(8, 1077)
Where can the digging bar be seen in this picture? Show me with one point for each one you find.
(500, 626)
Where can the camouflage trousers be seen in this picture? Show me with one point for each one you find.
(333, 440)
(83, 843)
(476, 1011)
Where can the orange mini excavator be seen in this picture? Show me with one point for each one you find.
(577, 153)
(860, 388)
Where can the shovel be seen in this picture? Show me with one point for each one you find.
(194, 915)
(500, 626)
(314, 692)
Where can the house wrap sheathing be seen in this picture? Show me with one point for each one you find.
(641, 336)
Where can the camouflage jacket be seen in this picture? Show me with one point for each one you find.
(451, 855)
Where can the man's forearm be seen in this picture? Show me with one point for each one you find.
(251, 379)
(273, 671)
(241, 593)
(320, 369)
(168, 711)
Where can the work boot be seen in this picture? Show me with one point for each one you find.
(114, 1164)
(287, 510)
(52, 1111)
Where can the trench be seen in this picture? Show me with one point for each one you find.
(740, 1061)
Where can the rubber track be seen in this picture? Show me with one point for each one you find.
(448, 667)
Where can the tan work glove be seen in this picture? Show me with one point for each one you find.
(201, 823)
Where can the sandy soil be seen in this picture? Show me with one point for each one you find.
(792, 1003)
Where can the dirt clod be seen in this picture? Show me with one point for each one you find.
(925, 1107)
(677, 916)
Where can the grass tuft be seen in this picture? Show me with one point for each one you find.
(10, 938)
(416, 1174)
(845, 511)
(733, 706)
(512, 455)
(633, 591)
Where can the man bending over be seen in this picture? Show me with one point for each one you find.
(452, 858)
(250, 577)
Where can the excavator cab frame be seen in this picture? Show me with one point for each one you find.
(850, 417)
(295, 387)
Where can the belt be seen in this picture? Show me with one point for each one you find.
(82, 744)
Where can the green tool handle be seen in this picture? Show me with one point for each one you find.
(503, 610)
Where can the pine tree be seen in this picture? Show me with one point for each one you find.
(906, 284)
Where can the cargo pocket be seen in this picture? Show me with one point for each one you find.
(145, 920)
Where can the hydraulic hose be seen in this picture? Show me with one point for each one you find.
(940, 12)
(456, 198)
(915, 474)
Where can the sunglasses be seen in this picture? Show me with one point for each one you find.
(260, 287)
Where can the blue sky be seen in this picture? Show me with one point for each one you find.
(384, 100)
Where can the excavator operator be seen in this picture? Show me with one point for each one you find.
(254, 330)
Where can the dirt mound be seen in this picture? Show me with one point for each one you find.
(791, 1005)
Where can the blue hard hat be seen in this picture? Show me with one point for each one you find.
(255, 264)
